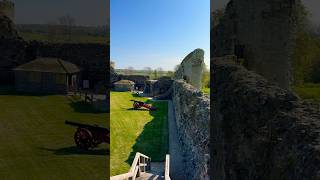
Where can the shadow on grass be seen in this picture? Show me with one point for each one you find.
(80, 106)
(73, 150)
(153, 140)
(140, 109)
(83, 107)
(9, 90)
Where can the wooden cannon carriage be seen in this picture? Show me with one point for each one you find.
(139, 104)
(89, 136)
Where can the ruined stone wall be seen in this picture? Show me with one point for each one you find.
(7, 8)
(192, 112)
(261, 31)
(191, 68)
(139, 80)
(259, 130)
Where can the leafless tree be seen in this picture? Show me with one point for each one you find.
(148, 70)
(67, 22)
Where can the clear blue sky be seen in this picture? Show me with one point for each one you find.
(158, 33)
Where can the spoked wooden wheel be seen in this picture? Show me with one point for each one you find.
(83, 138)
(136, 105)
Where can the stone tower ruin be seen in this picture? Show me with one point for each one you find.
(191, 68)
(7, 9)
(260, 32)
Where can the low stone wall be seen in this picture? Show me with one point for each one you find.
(192, 111)
(259, 130)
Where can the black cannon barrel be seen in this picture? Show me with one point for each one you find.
(86, 125)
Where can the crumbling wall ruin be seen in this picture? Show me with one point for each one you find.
(192, 115)
(261, 32)
(259, 130)
(191, 68)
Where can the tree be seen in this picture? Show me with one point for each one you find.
(170, 73)
(67, 22)
(160, 71)
(176, 67)
(148, 70)
(155, 74)
(129, 70)
(205, 80)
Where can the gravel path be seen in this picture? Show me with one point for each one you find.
(176, 158)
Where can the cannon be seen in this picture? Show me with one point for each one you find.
(89, 136)
(139, 104)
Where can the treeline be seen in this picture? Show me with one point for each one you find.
(306, 54)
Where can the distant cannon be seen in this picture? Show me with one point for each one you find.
(89, 136)
(139, 104)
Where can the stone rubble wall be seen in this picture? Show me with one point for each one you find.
(259, 130)
(192, 112)
(264, 30)
(191, 68)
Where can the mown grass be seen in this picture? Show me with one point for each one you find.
(36, 144)
(308, 91)
(136, 131)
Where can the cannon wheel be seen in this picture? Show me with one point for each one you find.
(136, 105)
(83, 138)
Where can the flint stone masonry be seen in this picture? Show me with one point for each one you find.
(260, 130)
(192, 112)
(260, 31)
(191, 68)
(7, 29)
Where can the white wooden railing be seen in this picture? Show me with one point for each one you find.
(140, 164)
(167, 168)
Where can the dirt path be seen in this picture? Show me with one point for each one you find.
(176, 158)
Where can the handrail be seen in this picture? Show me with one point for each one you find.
(140, 164)
(167, 168)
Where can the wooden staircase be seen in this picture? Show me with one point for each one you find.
(143, 169)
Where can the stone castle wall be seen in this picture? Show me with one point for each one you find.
(259, 130)
(191, 68)
(7, 8)
(192, 115)
(192, 112)
(260, 31)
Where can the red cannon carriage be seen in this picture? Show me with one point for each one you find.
(89, 136)
(139, 104)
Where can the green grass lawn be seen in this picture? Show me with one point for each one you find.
(136, 131)
(36, 144)
(308, 91)
(206, 90)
